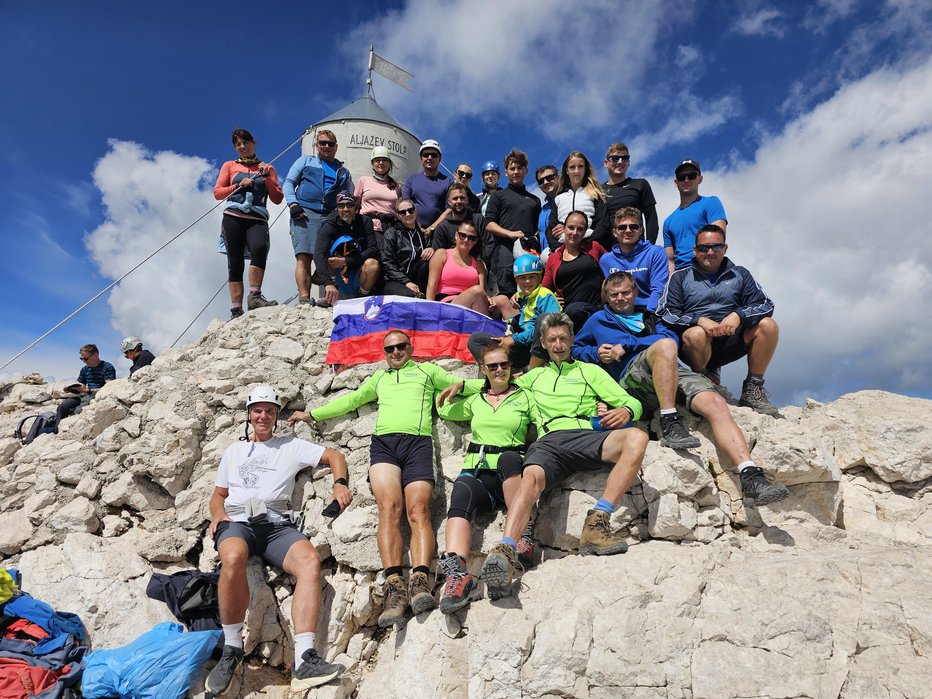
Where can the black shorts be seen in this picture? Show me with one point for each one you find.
(412, 453)
(726, 350)
(565, 452)
(267, 539)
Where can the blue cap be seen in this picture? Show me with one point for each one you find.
(490, 166)
(528, 264)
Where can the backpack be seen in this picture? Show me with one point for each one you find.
(43, 423)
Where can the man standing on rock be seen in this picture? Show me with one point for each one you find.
(567, 393)
(250, 514)
(641, 353)
(401, 471)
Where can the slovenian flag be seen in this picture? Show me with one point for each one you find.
(436, 329)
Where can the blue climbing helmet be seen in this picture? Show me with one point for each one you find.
(490, 166)
(528, 264)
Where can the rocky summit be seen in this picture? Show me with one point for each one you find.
(824, 594)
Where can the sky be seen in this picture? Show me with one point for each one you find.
(812, 123)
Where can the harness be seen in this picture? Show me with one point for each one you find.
(257, 511)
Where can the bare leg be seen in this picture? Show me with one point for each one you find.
(303, 562)
(302, 273)
(532, 484)
(236, 292)
(626, 448)
(761, 340)
(417, 504)
(385, 480)
(256, 275)
(661, 357)
(725, 431)
(696, 348)
(232, 588)
(369, 275)
(459, 536)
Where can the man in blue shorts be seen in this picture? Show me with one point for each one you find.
(721, 315)
(694, 212)
(401, 470)
(250, 513)
(347, 252)
(311, 189)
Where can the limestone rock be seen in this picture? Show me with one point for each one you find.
(77, 516)
(15, 530)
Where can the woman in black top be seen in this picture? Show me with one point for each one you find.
(572, 271)
(406, 253)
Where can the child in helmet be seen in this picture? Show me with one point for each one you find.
(533, 301)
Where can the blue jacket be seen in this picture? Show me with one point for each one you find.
(690, 295)
(304, 185)
(604, 328)
(539, 302)
(649, 266)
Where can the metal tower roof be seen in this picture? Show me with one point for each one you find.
(366, 109)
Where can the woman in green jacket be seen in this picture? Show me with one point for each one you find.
(499, 417)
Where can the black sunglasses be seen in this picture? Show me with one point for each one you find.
(547, 178)
(327, 144)
(467, 236)
(464, 175)
(430, 155)
(401, 347)
(618, 158)
(628, 227)
(495, 366)
(687, 176)
(405, 212)
(714, 247)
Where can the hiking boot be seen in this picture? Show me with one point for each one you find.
(219, 679)
(306, 301)
(754, 395)
(498, 571)
(422, 596)
(396, 601)
(313, 671)
(458, 584)
(757, 490)
(597, 536)
(673, 433)
(524, 549)
(257, 300)
(235, 313)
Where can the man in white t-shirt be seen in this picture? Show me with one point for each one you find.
(250, 514)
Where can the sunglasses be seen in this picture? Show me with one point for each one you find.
(405, 212)
(628, 227)
(467, 236)
(430, 155)
(618, 158)
(714, 247)
(687, 176)
(346, 206)
(547, 178)
(327, 144)
(464, 175)
(83, 358)
(400, 347)
(495, 366)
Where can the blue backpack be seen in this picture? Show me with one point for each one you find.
(43, 423)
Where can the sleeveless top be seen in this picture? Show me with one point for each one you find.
(455, 279)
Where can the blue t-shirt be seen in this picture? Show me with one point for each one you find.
(96, 376)
(429, 195)
(330, 175)
(680, 227)
(634, 322)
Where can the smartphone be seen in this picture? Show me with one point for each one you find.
(332, 510)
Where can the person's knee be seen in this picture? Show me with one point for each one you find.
(306, 564)
(234, 556)
(390, 510)
(462, 498)
(418, 512)
(509, 465)
(533, 479)
(768, 327)
(695, 337)
(635, 439)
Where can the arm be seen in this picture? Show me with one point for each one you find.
(649, 209)
(671, 256)
(670, 307)
(609, 391)
(351, 401)
(292, 180)
(456, 409)
(391, 265)
(586, 344)
(433, 275)
(755, 304)
(337, 463)
(223, 189)
(322, 254)
(659, 275)
(110, 371)
(493, 228)
(406, 189)
(218, 512)
(272, 186)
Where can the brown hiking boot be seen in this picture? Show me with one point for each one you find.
(396, 601)
(422, 597)
(597, 536)
(498, 571)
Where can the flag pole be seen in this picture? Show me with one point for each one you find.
(369, 76)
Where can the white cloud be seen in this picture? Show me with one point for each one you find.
(559, 66)
(148, 198)
(832, 217)
(762, 22)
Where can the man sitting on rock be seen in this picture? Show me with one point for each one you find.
(132, 349)
(566, 393)
(721, 314)
(92, 377)
(640, 352)
(250, 515)
(401, 470)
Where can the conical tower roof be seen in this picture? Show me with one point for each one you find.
(363, 109)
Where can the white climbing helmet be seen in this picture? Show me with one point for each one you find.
(380, 152)
(263, 394)
(130, 343)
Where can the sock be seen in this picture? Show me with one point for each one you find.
(364, 292)
(236, 305)
(303, 642)
(233, 635)
(253, 289)
(755, 378)
(393, 570)
(421, 569)
(605, 506)
(746, 464)
(511, 542)
(668, 411)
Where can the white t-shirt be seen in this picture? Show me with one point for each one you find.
(265, 470)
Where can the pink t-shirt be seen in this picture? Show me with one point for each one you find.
(375, 197)
(455, 279)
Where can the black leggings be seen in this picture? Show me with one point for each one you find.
(482, 491)
(240, 233)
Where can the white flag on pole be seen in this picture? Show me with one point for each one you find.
(389, 70)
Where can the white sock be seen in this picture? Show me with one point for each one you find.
(745, 464)
(668, 411)
(233, 634)
(303, 642)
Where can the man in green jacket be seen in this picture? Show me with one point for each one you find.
(567, 393)
(401, 471)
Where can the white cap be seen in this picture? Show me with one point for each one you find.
(380, 152)
(263, 394)
(130, 343)
(430, 143)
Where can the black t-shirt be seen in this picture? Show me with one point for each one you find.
(630, 192)
(514, 209)
(445, 232)
(144, 358)
(580, 279)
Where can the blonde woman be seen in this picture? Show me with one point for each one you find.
(579, 191)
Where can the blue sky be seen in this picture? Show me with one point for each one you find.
(812, 121)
